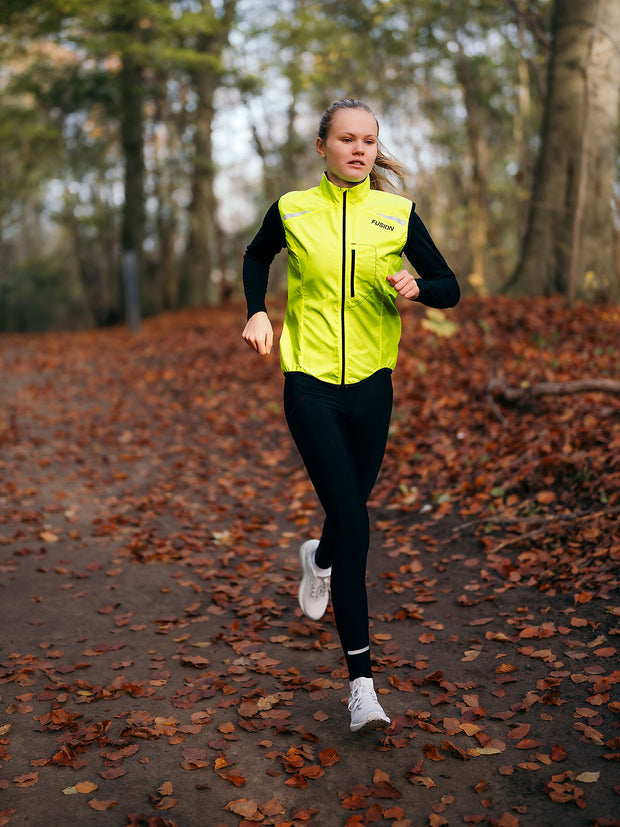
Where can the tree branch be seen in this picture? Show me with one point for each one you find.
(555, 518)
(540, 524)
(497, 388)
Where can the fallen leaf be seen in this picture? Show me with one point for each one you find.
(85, 787)
(328, 757)
(245, 807)
(166, 802)
(353, 802)
(422, 781)
(102, 806)
(588, 777)
(26, 780)
(234, 778)
(508, 820)
(197, 661)
(590, 733)
(49, 537)
(272, 808)
(384, 789)
(448, 746)
(432, 753)
(558, 753)
(518, 732)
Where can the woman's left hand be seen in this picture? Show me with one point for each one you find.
(405, 284)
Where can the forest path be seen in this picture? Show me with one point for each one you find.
(154, 666)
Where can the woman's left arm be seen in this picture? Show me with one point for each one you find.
(437, 285)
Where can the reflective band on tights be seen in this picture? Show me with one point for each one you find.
(359, 651)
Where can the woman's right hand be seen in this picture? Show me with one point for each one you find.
(258, 333)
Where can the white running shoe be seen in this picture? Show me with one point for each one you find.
(366, 711)
(314, 587)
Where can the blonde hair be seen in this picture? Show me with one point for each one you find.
(383, 162)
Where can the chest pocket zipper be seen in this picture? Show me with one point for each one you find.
(361, 278)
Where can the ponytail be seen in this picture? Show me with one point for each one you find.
(385, 161)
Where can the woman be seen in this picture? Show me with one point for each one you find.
(339, 343)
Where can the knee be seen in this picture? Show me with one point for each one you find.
(353, 539)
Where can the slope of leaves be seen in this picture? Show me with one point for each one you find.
(154, 666)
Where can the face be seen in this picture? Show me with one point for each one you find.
(350, 148)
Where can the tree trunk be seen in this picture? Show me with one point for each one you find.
(199, 288)
(205, 245)
(523, 140)
(131, 127)
(478, 185)
(97, 263)
(569, 242)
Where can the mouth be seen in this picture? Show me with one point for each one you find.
(357, 164)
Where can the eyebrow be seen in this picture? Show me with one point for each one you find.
(345, 132)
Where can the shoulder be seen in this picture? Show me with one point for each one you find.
(272, 219)
(298, 200)
(400, 202)
(390, 203)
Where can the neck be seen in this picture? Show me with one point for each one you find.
(343, 184)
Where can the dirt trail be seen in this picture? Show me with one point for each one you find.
(155, 668)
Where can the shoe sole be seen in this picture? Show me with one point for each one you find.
(373, 724)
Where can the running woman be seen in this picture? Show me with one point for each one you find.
(339, 343)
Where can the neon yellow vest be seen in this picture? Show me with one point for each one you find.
(341, 323)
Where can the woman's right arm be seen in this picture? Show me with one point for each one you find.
(261, 251)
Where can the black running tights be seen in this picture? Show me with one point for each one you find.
(340, 432)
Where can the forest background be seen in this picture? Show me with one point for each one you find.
(153, 655)
(140, 143)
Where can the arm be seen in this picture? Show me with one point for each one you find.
(261, 251)
(437, 285)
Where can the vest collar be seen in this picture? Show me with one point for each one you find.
(355, 194)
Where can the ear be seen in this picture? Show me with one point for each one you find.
(320, 147)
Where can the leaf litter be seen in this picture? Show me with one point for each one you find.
(152, 505)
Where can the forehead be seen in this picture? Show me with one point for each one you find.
(358, 121)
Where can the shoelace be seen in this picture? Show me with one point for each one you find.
(318, 586)
(358, 696)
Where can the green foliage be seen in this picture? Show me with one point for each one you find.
(41, 294)
(446, 78)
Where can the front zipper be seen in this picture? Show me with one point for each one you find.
(344, 278)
